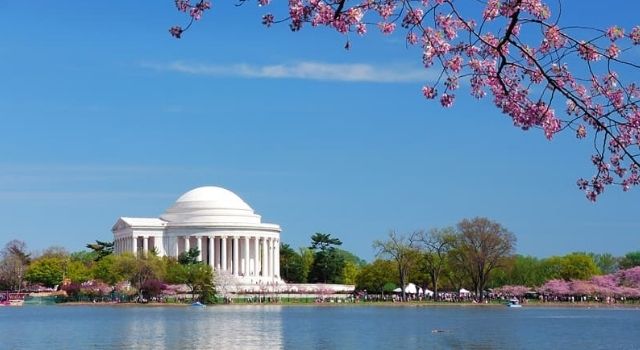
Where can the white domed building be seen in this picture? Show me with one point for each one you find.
(229, 235)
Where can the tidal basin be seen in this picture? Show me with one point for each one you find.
(318, 327)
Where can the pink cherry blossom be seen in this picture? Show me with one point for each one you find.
(429, 92)
(614, 33)
(446, 100)
(386, 27)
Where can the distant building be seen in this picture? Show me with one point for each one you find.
(229, 235)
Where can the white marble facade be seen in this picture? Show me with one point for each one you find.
(229, 235)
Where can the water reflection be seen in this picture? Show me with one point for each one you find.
(311, 327)
(220, 327)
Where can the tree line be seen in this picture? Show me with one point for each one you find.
(477, 253)
(97, 272)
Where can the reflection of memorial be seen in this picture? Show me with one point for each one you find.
(229, 235)
(219, 327)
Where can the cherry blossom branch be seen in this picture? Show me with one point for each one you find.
(495, 59)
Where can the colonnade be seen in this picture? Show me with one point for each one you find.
(238, 255)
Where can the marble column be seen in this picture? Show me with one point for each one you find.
(135, 245)
(158, 244)
(264, 257)
(235, 256)
(187, 243)
(271, 259)
(212, 251)
(145, 245)
(199, 244)
(176, 248)
(256, 256)
(223, 253)
(246, 255)
(276, 257)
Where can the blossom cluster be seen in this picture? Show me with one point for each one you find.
(195, 11)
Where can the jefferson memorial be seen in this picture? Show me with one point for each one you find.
(229, 235)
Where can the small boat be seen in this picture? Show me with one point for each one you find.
(198, 304)
(513, 303)
(7, 299)
(16, 302)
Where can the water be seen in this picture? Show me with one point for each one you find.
(317, 327)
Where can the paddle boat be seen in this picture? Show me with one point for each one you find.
(513, 302)
(198, 304)
(7, 299)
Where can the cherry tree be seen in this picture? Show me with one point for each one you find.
(512, 291)
(538, 72)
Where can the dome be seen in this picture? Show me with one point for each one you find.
(213, 197)
(210, 205)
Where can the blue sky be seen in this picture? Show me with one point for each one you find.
(105, 115)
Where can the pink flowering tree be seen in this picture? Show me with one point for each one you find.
(630, 277)
(606, 285)
(556, 287)
(512, 291)
(582, 288)
(540, 74)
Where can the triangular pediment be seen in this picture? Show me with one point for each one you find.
(125, 222)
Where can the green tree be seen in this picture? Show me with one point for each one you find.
(631, 259)
(105, 270)
(373, 277)
(403, 250)
(47, 270)
(574, 266)
(482, 246)
(77, 271)
(352, 266)
(291, 266)
(189, 257)
(139, 270)
(306, 255)
(348, 256)
(350, 272)
(455, 273)
(328, 264)
(101, 249)
(523, 271)
(323, 241)
(606, 262)
(195, 274)
(85, 257)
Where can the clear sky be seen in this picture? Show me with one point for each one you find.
(103, 115)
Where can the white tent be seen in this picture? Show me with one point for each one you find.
(464, 291)
(428, 292)
(409, 289)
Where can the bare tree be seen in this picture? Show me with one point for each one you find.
(14, 261)
(436, 245)
(403, 250)
(481, 246)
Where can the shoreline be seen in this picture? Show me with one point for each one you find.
(558, 305)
